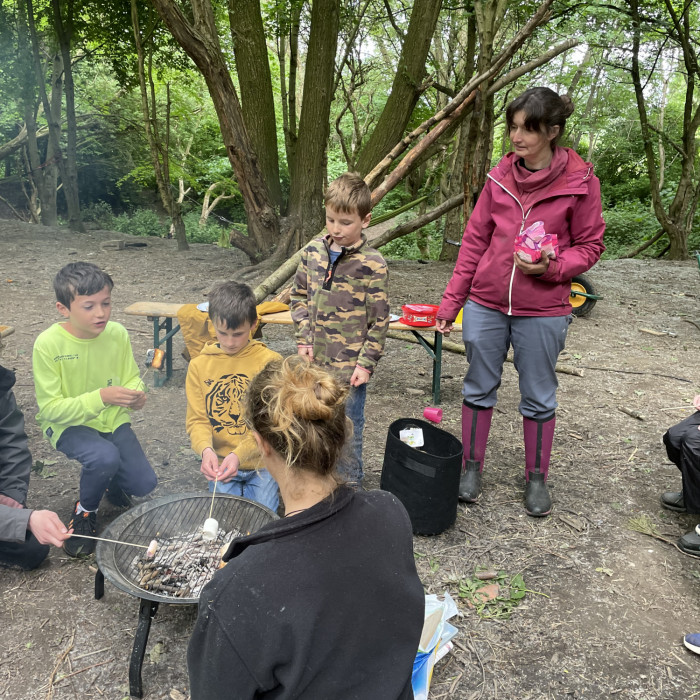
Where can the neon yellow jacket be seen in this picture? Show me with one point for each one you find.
(216, 383)
(69, 373)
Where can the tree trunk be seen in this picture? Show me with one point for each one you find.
(64, 34)
(308, 170)
(257, 103)
(407, 86)
(200, 41)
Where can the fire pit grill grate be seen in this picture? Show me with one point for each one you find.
(163, 518)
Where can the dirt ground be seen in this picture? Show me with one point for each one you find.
(606, 606)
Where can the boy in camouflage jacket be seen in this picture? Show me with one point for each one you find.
(340, 303)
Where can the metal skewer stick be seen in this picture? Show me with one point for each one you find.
(211, 507)
(106, 539)
(677, 408)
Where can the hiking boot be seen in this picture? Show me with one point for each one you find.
(538, 502)
(84, 523)
(690, 543)
(470, 482)
(673, 500)
(118, 497)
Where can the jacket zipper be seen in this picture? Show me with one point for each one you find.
(522, 226)
(330, 272)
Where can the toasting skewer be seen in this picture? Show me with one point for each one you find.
(150, 548)
(210, 529)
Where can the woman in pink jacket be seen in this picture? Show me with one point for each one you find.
(522, 301)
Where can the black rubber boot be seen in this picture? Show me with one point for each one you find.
(470, 482)
(538, 502)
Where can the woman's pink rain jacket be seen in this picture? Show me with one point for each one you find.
(570, 207)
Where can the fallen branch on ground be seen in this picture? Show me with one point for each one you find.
(459, 349)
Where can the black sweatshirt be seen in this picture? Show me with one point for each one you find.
(323, 605)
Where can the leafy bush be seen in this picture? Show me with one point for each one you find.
(628, 225)
(141, 222)
(209, 233)
(99, 213)
(406, 247)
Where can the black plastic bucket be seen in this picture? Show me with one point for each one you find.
(426, 479)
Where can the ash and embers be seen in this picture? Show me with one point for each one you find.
(182, 565)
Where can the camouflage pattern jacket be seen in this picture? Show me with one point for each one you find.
(341, 310)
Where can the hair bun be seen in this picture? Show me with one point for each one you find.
(310, 395)
(568, 105)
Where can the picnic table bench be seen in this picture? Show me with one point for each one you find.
(162, 314)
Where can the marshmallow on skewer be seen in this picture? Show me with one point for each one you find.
(151, 551)
(210, 529)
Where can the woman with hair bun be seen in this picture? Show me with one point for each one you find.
(537, 224)
(325, 602)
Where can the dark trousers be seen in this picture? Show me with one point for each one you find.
(114, 460)
(683, 448)
(28, 554)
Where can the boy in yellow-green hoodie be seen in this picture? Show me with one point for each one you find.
(217, 380)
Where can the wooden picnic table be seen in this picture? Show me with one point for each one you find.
(162, 314)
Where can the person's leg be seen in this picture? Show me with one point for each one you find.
(350, 465)
(100, 461)
(262, 488)
(27, 555)
(135, 475)
(537, 342)
(690, 463)
(682, 443)
(234, 487)
(486, 335)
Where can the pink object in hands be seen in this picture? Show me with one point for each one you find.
(534, 242)
(696, 404)
(432, 414)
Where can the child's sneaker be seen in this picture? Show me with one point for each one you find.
(692, 641)
(118, 497)
(84, 523)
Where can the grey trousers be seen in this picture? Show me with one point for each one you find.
(536, 341)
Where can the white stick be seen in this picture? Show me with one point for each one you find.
(677, 408)
(211, 507)
(105, 539)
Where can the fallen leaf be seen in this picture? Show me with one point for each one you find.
(604, 570)
(486, 593)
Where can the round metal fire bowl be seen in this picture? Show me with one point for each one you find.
(165, 517)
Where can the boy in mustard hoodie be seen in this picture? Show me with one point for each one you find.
(217, 380)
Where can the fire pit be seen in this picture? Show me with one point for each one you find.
(164, 518)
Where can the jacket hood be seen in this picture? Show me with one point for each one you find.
(577, 169)
(252, 348)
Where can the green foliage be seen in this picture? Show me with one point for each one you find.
(627, 225)
(141, 222)
(406, 247)
(99, 213)
(511, 590)
(209, 233)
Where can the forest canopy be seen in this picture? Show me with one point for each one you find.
(223, 122)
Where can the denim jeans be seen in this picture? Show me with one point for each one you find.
(257, 485)
(350, 464)
(108, 459)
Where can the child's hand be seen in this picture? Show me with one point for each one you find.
(696, 404)
(306, 351)
(359, 377)
(210, 464)
(121, 396)
(140, 402)
(229, 467)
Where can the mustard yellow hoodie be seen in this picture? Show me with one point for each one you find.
(216, 384)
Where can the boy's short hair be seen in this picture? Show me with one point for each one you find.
(349, 193)
(79, 279)
(233, 303)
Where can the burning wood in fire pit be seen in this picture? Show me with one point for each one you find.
(182, 565)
